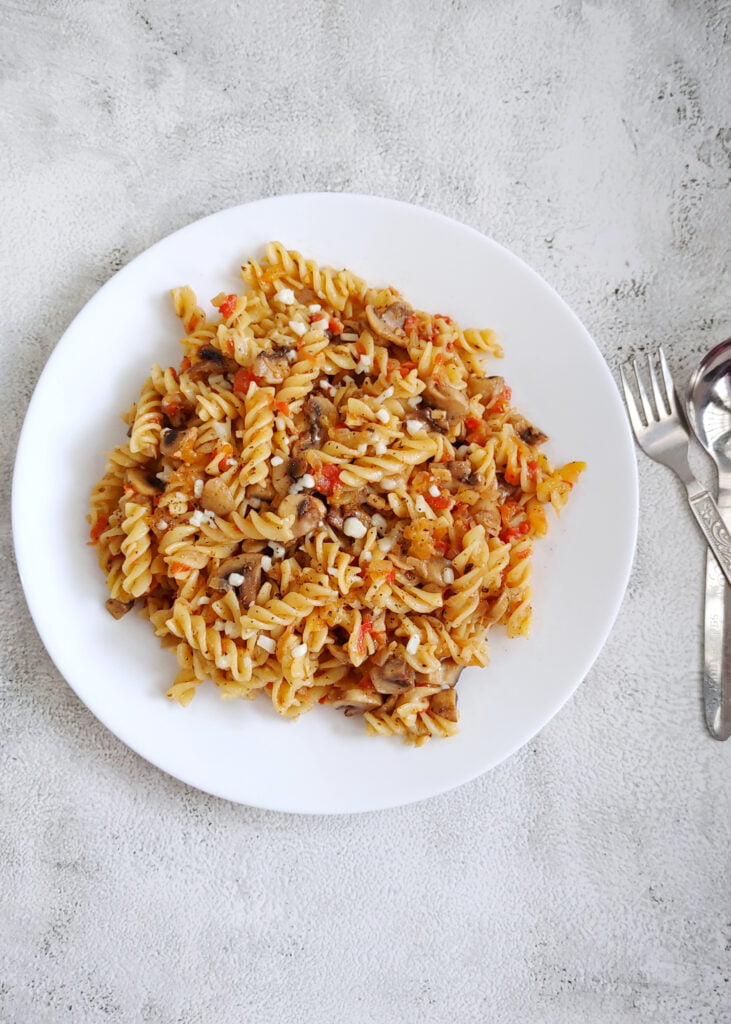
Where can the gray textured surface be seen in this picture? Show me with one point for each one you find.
(587, 879)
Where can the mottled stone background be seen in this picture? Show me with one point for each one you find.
(587, 880)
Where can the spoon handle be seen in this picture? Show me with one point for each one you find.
(717, 652)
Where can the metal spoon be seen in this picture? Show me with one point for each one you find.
(709, 412)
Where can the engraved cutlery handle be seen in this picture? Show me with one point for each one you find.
(709, 519)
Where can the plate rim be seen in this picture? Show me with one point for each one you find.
(20, 461)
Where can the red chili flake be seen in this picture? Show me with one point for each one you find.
(228, 306)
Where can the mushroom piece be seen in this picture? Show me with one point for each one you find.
(444, 396)
(385, 322)
(271, 366)
(118, 608)
(393, 676)
(320, 412)
(527, 433)
(144, 483)
(431, 570)
(177, 408)
(246, 565)
(263, 491)
(444, 704)
(357, 702)
(172, 441)
(308, 512)
(488, 388)
(450, 672)
(217, 498)
(211, 360)
(460, 470)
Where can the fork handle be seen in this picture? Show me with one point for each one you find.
(718, 538)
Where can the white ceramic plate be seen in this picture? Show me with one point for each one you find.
(323, 763)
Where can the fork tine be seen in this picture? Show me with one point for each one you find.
(646, 407)
(669, 385)
(634, 415)
(661, 404)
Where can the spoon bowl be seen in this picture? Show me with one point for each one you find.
(709, 403)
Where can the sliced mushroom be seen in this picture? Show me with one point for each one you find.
(172, 441)
(246, 565)
(461, 471)
(424, 413)
(448, 398)
(450, 672)
(320, 413)
(309, 512)
(118, 608)
(211, 360)
(357, 702)
(263, 491)
(393, 676)
(217, 498)
(386, 322)
(431, 570)
(444, 704)
(144, 483)
(488, 388)
(296, 467)
(271, 366)
(527, 432)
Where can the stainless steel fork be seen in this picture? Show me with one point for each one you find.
(662, 434)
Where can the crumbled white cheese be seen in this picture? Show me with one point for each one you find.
(200, 517)
(315, 307)
(204, 599)
(448, 575)
(434, 491)
(328, 369)
(383, 415)
(366, 556)
(415, 401)
(381, 448)
(388, 393)
(413, 645)
(236, 579)
(320, 325)
(362, 449)
(414, 427)
(347, 379)
(223, 662)
(279, 423)
(378, 521)
(266, 563)
(198, 488)
(277, 460)
(162, 524)
(298, 327)
(165, 473)
(299, 651)
(327, 387)
(277, 549)
(363, 365)
(348, 336)
(230, 629)
(285, 296)
(267, 643)
(386, 543)
(353, 527)
(307, 480)
(389, 484)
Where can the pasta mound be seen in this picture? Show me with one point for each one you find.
(328, 500)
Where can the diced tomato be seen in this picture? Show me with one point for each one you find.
(366, 627)
(228, 306)
(508, 511)
(282, 407)
(511, 532)
(365, 683)
(185, 364)
(439, 502)
(98, 529)
(532, 467)
(472, 422)
(334, 326)
(243, 378)
(327, 477)
(406, 368)
(411, 323)
(170, 407)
